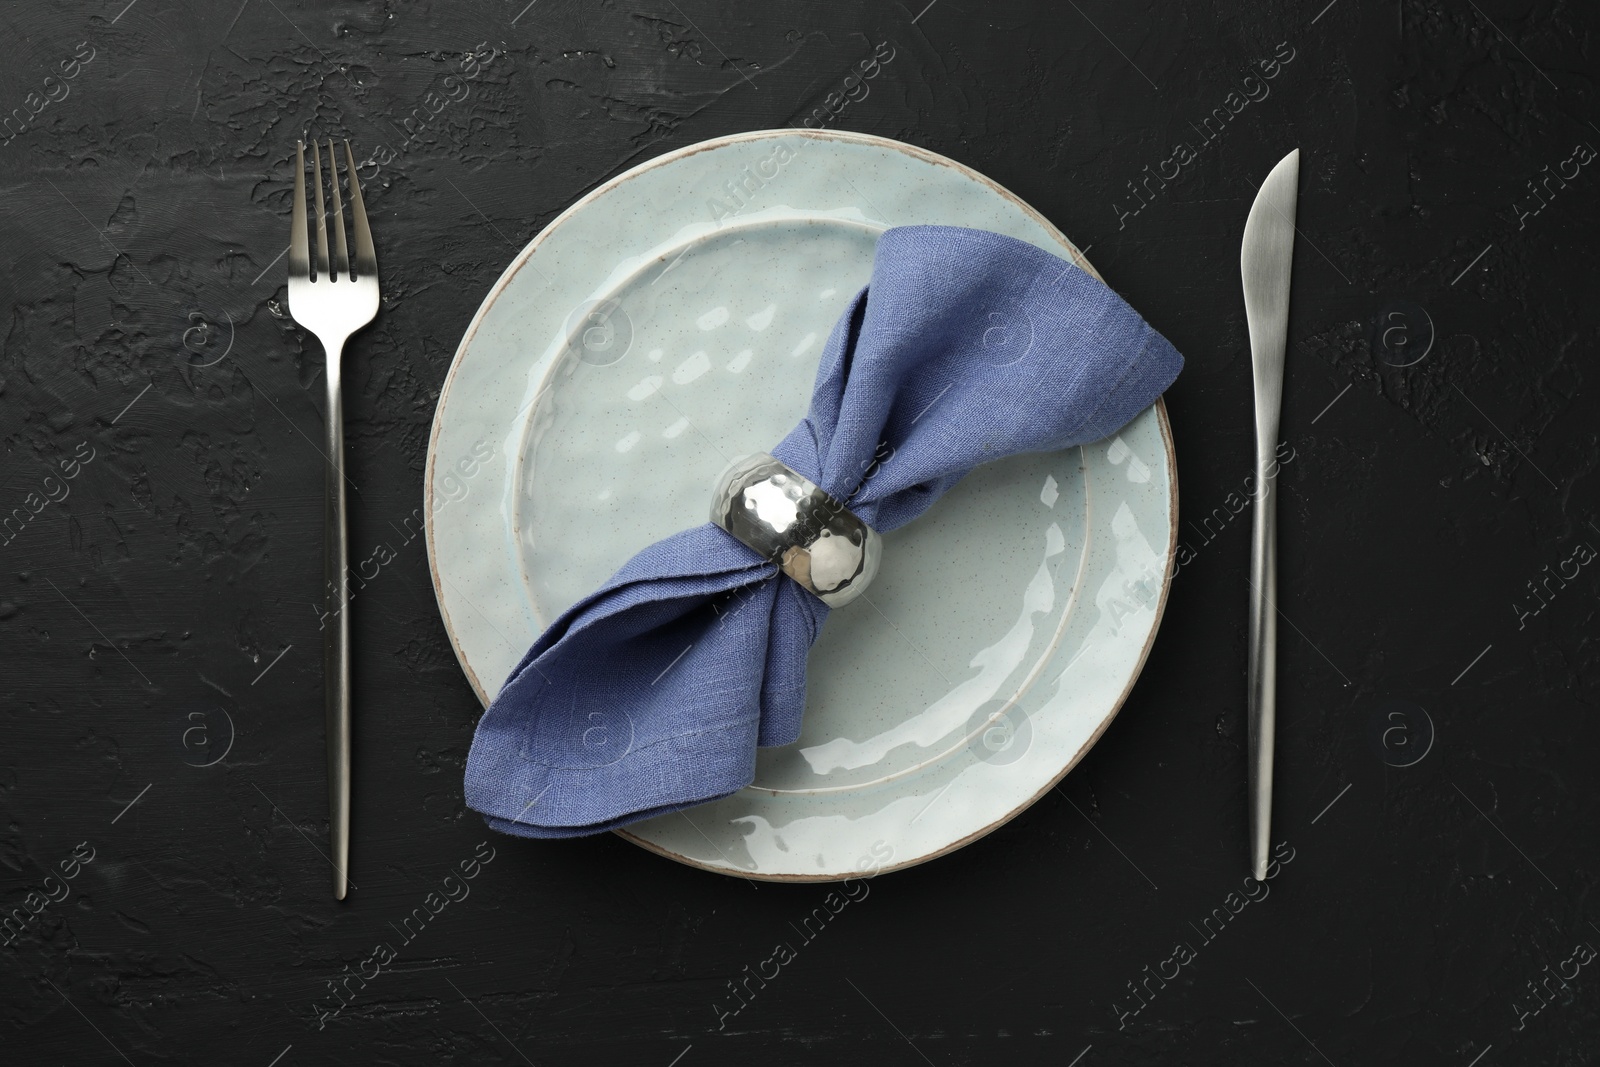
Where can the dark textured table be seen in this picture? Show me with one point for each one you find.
(162, 762)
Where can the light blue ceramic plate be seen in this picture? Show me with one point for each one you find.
(673, 319)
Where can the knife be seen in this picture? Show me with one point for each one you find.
(1264, 263)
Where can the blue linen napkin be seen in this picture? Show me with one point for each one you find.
(652, 694)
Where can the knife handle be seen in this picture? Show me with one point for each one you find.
(1263, 668)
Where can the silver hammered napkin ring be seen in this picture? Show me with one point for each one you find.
(787, 518)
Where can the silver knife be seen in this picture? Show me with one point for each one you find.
(1264, 262)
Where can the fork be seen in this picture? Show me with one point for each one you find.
(333, 304)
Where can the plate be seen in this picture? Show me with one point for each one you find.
(673, 319)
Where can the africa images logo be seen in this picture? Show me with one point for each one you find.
(1250, 90)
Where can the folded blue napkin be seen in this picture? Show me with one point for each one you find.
(652, 694)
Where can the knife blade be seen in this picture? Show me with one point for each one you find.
(1265, 259)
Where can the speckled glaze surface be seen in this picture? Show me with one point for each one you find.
(672, 320)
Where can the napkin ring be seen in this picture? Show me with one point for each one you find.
(787, 518)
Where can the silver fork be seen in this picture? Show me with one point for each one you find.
(333, 304)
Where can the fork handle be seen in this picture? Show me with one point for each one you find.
(336, 635)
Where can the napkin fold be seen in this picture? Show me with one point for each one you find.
(653, 693)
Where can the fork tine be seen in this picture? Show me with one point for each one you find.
(322, 214)
(341, 251)
(299, 252)
(366, 256)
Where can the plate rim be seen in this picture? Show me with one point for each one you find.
(848, 136)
